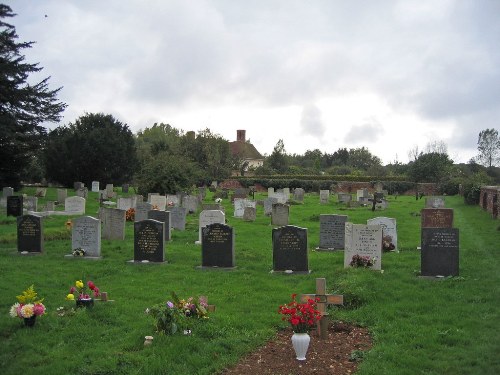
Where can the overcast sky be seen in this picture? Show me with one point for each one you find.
(386, 75)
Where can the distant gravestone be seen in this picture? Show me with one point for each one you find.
(298, 194)
(249, 214)
(389, 232)
(280, 213)
(209, 217)
(268, 205)
(109, 191)
(190, 202)
(172, 200)
(362, 195)
(202, 191)
(332, 232)
(365, 241)
(270, 191)
(437, 217)
(82, 192)
(141, 211)
(62, 194)
(344, 197)
(78, 185)
(440, 252)
(217, 246)
(125, 188)
(31, 203)
(324, 196)
(74, 205)
(40, 192)
(15, 205)
(7, 192)
(29, 234)
(212, 206)
(113, 221)
(50, 206)
(239, 207)
(286, 193)
(178, 218)
(159, 201)
(95, 186)
(434, 202)
(86, 234)
(149, 241)
(125, 203)
(150, 195)
(164, 217)
(290, 249)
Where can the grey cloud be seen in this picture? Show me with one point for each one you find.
(368, 132)
(311, 122)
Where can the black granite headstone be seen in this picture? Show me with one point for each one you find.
(125, 188)
(217, 246)
(15, 205)
(149, 241)
(440, 252)
(30, 234)
(164, 217)
(290, 249)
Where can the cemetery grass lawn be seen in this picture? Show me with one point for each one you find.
(418, 326)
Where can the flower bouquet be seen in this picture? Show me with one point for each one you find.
(83, 297)
(362, 261)
(301, 316)
(28, 307)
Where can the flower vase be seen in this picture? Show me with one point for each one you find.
(30, 322)
(300, 342)
(85, 302)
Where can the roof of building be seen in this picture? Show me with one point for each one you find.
(245, 150)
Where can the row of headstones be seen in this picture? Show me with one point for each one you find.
(16, 203)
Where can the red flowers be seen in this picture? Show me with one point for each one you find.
(93, 288)
(302, 316)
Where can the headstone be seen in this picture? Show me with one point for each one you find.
(78, 185)
(202, 191)
(434, 202)
(62, 194)
(125, 188)
(82, 192)
(280, 213)
(172, 201)
(164, 217)
(149, 241)
(249, 214)
(389, 232)
(138, 198)
(190, 202)
(125, 203)
(213, 206)
(270, 191)
(210, 217)
(286, 192)
(440, 252)
(290, 249)
(141, 211)
(362, 195)
(50, 206)
(14, 205)
(7, 192)
(30, 234)
(95, 186)
(150, 195)
(74, 205)
(268, 205)
(178, 218)
(365, 241)
(324, 196)
(239, 207)
(298, 195)
(86, 234)
(40, 192)
(437, 217)
(109, 191)
(281, 196)
(344, 197)
(332, 232)
(381, 205)
(217, 246)
(31, 203)
(159, 202)
(113, 224)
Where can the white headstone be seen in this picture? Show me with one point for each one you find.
(210, 217)
(239, 207)
(365, 241)
(160, 201)
(86, 234)
(389, 231)
(74, 205)
(95, 186)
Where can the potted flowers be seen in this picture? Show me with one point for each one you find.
(302, 317)
(79, 293)
(28, 307)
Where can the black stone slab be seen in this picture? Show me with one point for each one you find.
(30, 234)
(217, 246)
(149, 242)
(290, 249)
(15, 205)
(440, 252)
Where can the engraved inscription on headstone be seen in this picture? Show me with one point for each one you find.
(86, 234)
(437, 217)
(217, 246)
(440, 252)
(290, 249)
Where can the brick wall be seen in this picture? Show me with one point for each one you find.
(489, 200)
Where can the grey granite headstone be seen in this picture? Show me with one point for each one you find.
(210, 217)
(324, 196)
(280, 213)
(268, 205)
(74, 205)
(363, 240)
(434, 202)
(389, 232)
(249, 214)
(239, 207)
(217, 246)
(62, 194)
(344, 197)
(109, 191)
(149, 241)
(190, 202)
(113, 224)
(290, 249)
(125, 203)
(82, 192)
(160, 201)
(298, 194)
(440, 252)
(86, 234)
(164, 217)
(332, 232)
(30, 234)
(141, 210)
(178, 217)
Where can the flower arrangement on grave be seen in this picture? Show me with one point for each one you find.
(387, 244)
(175, 315)
(362, 261)
(82, 295)
(28, 306)
(130, 214)
(301, 316)
(68, 224)
(78, 252)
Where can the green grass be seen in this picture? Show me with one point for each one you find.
(418, 326)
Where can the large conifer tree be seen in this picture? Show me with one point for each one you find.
(24, 107)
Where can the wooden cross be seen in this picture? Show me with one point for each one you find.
(324, 301)
(204, 299)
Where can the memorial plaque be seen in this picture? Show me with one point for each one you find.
(290, 249)
(440, 252)
(178, 218)
(217, 246)
(324, 196)
(141, 211)
(280, 214)
(332, 232)
(30, 234)
(437, 217)
(86, 234)
(74, 205)
(389, 232)
(268, 205)
(149, 242)
(164, 217)
(210, 217)
(113, 224)
(15, 205)
(365, 241)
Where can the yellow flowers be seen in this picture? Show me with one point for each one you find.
(79, 284)
(70, 297)
(29, 296)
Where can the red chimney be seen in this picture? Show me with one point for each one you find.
(240, 135)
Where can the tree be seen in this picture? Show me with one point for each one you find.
(361, 158)
(488, 145)
(278, 161)
(95, 147)
(23, 107)
(430, 167)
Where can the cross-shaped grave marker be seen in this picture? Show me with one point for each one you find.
(204, 299)
(324, 301)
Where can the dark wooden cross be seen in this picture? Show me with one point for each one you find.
(324, 301)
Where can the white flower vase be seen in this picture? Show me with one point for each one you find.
(300, 342)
